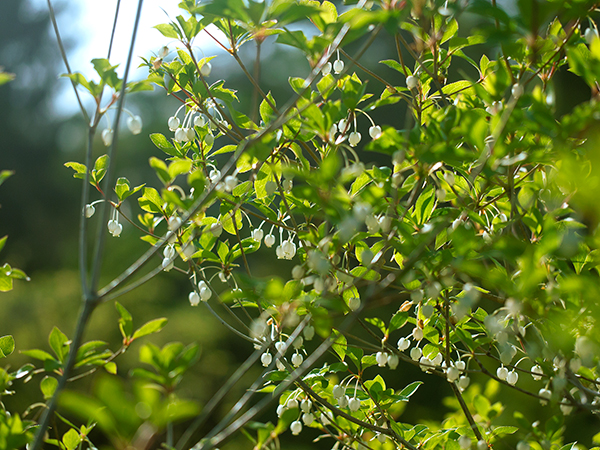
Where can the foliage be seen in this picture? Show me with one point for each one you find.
(462, 242)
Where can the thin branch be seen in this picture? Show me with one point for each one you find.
(108, 178)
(65, 60)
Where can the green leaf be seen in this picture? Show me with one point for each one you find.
(71, 439)
(59, 343)
(169, 30)
(5, 174)
(162, 143)
(111, 368)
(153, 326)
(48, 386)
(151, 201)
(7, 345)
(125, 321)
(410, 389)
(5, 77)
(38, 354)
(398, 320)
(339, 344)
(79, 169)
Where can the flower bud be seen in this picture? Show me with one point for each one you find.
(89, 211)
(194, 298)
(206, 69)
(107, 136)
(411, 82)
(134, 124)
(338, 66)
(173, 123)
(375, 132)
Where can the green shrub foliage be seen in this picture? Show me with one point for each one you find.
(457, 236)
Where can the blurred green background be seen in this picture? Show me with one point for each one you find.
(40, 209)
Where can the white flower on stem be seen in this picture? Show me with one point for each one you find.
(216, 229)
(173, 123)
(425, 363)
(464, 442)
(114, 227)
(280, 346)
(230, 182)
(372, 224)
(460, 365)
(309, 332)
(297, 272)
(209, 139)
(463, 382)
(298, 343)
(214, 175)
(417, 333)
(416, 353)
(280, 410)
(205, 294)
(134, 124)
(437, 360)
(89, 211)
(167, 264)
(297, 359)
(305, 405)
(190, 134)
(381, 358)
(174, 223)
(517, 90)
(257, 234)
(188, 251)
(107, 136)
(288, 249)
(375, 132)
(403, 343)
(393, 361)
(338, 391)
(512, 377)
(494, 108)
(280, 365)
(411, 82)
(194, 298)
(266, 359)
(206, 69)
(308, 418)
(502, 373)
(169, 252)
(326, 69)
(482, 445)
(591, 34)
(296, 427)
(537, 372)
(452, 374)
(354, 404)
(270, 187)
(287, 185)
(180, 135)
(338, 66)
(292, 403)
(427, 311)
(343, 401)
(545, 394)
(354, 138)
(565, 409)
(381, 437)
(199, 121)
